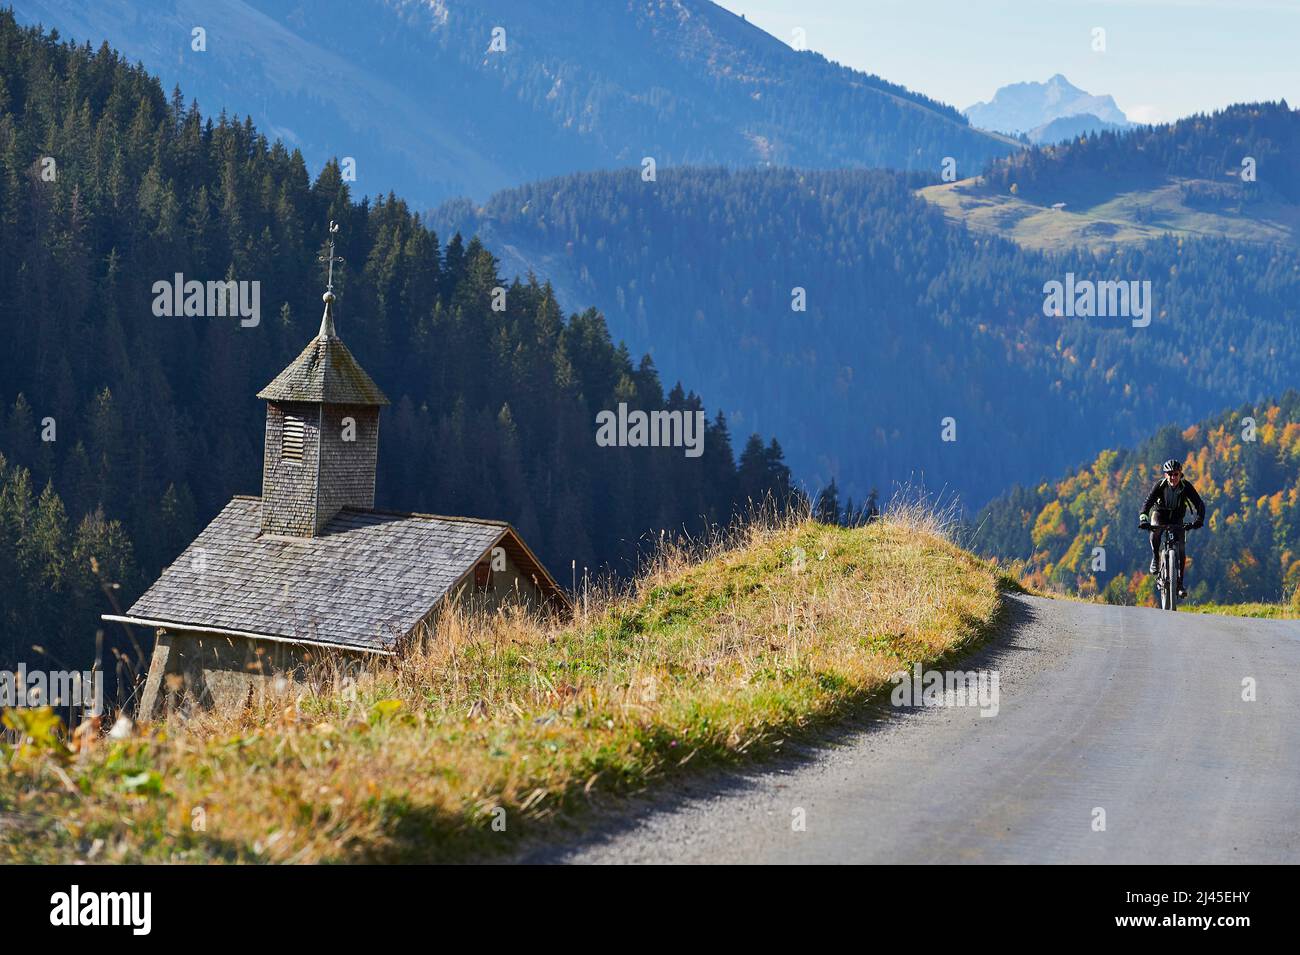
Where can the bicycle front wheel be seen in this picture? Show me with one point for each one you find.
(1171, 579)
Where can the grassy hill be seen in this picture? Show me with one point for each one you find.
(1248, 475)
(707, 660)
(1136, 216)
(1185, 178)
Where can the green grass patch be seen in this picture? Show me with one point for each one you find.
(1261, 611)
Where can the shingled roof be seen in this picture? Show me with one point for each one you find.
(325, 372)
(367, 581)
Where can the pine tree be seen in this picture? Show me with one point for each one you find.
(827, 510)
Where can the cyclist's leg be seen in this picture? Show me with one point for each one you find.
(1155, 546)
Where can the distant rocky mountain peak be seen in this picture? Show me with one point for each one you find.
(1033, 107)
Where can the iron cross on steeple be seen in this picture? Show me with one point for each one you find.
(331, 258)
(327, 320)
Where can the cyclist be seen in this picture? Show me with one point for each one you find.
(1171, 496)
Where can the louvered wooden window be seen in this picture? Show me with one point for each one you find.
(291, 443)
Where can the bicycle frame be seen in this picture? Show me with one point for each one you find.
(1167, 579)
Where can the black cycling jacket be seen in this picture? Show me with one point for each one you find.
(1183, 495)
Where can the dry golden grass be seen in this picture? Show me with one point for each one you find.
(509, 720)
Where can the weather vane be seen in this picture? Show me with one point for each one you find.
(331, 258)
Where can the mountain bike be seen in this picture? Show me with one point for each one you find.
(1167, 563)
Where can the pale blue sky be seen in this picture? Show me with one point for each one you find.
(1164, 58)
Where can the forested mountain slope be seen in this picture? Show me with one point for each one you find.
(153, 420)
(908, 320)
(1246, 465)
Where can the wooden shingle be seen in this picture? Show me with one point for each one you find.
(364, 583)
(325, 373)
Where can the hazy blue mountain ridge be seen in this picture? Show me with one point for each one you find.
(414, 92)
